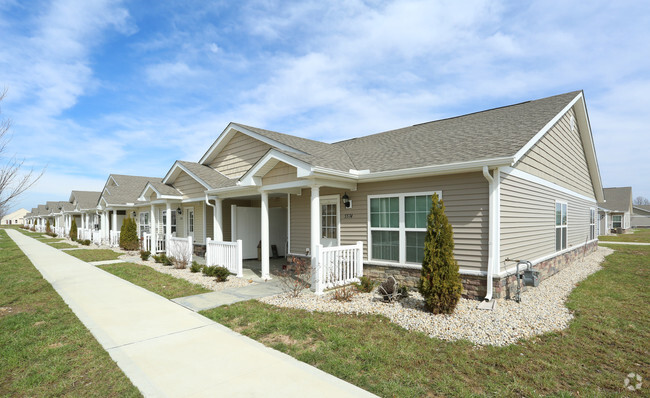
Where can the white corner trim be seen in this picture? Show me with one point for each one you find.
(545, 129)
(546, 183)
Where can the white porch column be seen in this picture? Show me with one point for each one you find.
(315, 215)
(265, 235)
(154, 238)
(218, 220)
(168, 227)
(114, 220)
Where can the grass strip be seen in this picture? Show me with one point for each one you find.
(61, 245)
(44, 349)
(606, 341)
(94, 254)
(639, 236)
(152, 280)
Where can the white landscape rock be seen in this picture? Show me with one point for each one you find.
(541, 310)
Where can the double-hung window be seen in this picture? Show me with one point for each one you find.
(163, 217)
(561, 222)
(398, 226)
(617, 221)
(592, 224)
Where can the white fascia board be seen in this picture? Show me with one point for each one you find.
(146, 189)
(232, 129)
(303, 169)
(584, 127)
(190, 200)
(170, 172)
(174, 171)
(545, 129)
(541, 181)
(233, 192)
(451, 168)
(110, 177)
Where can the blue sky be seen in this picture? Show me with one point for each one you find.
(127, 87)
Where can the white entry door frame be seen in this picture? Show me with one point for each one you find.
(189, 221)
(330, 228)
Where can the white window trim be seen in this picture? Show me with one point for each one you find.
(592, 225)
(401, 229)
(566, 243)
(140, 223)
(617, 215)
(187, 221)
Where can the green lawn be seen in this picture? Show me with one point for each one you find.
(639, 235)
(150, 279)
(60, 245)
(44, 349)
(607, 340)
(94, 254)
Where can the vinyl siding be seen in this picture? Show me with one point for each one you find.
(282, 172)
(187, 185)
(528, 219)
(559, 157)
(239, 155)
(466, 201)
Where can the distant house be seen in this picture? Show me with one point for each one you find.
(640, 216)
(616, 211)
(14, 218)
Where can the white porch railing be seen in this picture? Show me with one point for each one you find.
(146, 242)
(97, 237)
(180, 248)
(337, 266)
(114, 238)
(85, 234)
(225, 254)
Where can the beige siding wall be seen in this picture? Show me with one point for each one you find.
(209, 221)
(466, 201)
(181, 222)
(528, 219)
(282, 172)
(239, 155)
(559, 157)
(188, 185)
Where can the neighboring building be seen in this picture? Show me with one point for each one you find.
(616, 211)
(15, 218)
(518, 182)
(640, 216)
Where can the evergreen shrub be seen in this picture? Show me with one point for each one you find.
(129, 235)
(440, 282)
(73, 230)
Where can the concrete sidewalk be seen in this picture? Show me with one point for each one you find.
(168, 350)
(206, 301)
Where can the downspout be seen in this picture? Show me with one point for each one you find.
(492, 216)
(214, 214)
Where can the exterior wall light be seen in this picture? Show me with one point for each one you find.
(346, 201)
(179, 211)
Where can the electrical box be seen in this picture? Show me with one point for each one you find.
(531, 278)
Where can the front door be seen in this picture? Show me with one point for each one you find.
(189, 215)
(329, 220)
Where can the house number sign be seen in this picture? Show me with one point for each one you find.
(348, 215)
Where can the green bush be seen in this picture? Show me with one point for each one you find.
(208, 271)
(144, 255)
(365, 285)
(196, 267)
(440, 283)
(129, 235)
(73, 230)
(221, 273)
(85, 242)
(162, 259)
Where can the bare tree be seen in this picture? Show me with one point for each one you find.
(13, 181)
(641, 200)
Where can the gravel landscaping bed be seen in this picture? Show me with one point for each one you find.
(193, 277)
(541, 309)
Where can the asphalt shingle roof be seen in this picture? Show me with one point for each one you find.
(494, 133)
(86, 199)
(209, 175)
(127, 190)
(617, 198)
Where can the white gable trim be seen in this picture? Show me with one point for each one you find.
(114, 181)
(253, 178)
(231, 130)
(148, 187)
(541, 181)
(545, 129)
(172, 173)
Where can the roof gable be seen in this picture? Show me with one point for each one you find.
(619, 199)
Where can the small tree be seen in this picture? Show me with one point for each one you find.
(440, 282)
(129, 235)
(73, 230)
(48, 227)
